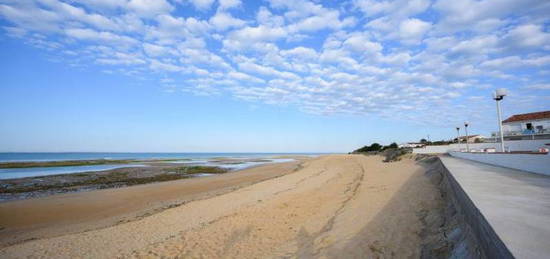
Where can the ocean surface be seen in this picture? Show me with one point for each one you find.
(19, 157)
(186, 158)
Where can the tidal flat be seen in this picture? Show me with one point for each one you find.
(40, 186)
(30, 164)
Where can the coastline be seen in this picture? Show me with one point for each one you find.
(68, 179)
(336, 205)
(76, 212)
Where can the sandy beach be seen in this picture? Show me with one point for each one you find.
(343, 206)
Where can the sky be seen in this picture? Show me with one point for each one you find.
(263, 76)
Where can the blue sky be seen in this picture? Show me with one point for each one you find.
(263, 76)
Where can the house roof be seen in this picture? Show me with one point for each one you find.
(528, 116)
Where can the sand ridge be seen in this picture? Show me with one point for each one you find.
(335, 206)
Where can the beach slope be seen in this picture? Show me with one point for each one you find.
(346, 206)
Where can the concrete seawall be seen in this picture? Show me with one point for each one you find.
(489, 241)
(507, 209)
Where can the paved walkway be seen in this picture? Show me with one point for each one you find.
(515, 203)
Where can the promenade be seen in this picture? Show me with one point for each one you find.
(515, 204)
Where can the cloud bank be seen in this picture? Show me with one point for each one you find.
(424, 61)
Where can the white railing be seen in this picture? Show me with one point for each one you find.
(521, 133)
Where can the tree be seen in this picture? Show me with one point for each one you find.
(372, 147)
(375, 147)
(393, 145)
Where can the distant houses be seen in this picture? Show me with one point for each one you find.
(470, 138)
(411, 145)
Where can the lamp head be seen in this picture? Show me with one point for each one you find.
(499, 94)
(466, 124)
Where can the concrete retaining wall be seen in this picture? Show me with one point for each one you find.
(489, 241)
(539, 164)
(434, 149)
(511, 145)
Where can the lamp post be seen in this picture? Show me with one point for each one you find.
(498, 95)
(466, 129)
(458, 138)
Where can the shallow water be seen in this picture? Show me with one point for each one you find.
(12, 173)
(202, 159)
(232, 165)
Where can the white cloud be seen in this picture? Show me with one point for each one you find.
(120, 58)
(149, 8)
(266, 18)
(515, 61)
(202, 5)
(413, 30)
(245, 77)
(305, 16)
(506, 62)
(161, 66)
(325, 20)
(172, 29)
(259, 33)
(153, 50)
(300, 53)
(228, 4)
(527, 36)
(399, 8)
(266, 71)
(321, 58)
(396, 58)
(223, 21)
(471, 15)
(31, 17)
(476, 46)
(362, 44)
(544, 86)
(106, 37)
(79, 14)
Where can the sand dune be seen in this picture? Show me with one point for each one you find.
(334, 206)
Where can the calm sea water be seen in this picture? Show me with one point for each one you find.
(187, 158)
(13, 157)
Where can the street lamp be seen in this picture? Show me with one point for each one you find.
(458, 138)
(498, 95)
(466, 129)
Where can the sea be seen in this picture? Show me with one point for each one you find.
(184, 158)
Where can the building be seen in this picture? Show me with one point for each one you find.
(471, 138)
(411, 145)
(527, 123)
(526, 126)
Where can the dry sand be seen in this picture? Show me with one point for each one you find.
(342, 206)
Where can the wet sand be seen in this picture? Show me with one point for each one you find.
(346, 206)
(82, 211)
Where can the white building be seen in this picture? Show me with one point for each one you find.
(527, 124)
(411, 145)
(471, 138)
